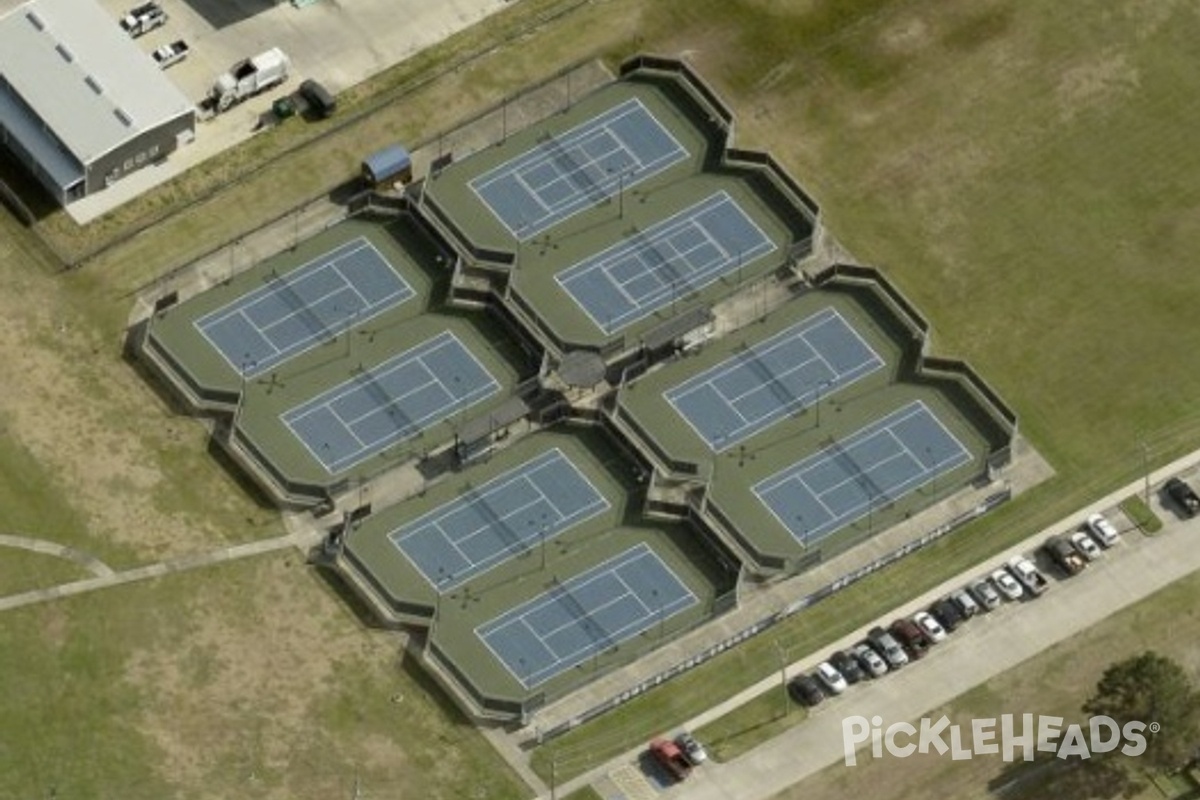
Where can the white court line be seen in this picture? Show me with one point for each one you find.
(416, 354)
(904, 414)
(497, 484)
(609, 566)
(699, 278)
(553, 458)
(577, 203)
(533, 193)
(437, 523)
(619, 635)
(313, 267)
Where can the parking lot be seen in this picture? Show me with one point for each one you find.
(339, 44)
(983, 647)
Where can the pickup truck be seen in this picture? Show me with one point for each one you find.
(671, 757)
(1184, 496)
(170, 54)
(143, 19)
(1024, 571)
(1063, 553)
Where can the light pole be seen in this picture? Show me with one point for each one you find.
(543, 537)
(787, 706)
(1145, 471)
(825, 384)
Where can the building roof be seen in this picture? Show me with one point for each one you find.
(73, 66)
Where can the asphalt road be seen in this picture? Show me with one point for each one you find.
(984, 647)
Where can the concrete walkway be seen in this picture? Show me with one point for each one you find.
(987, 646)
(47, 547)
(183, 563)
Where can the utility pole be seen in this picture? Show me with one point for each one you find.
(787, 705)
(1145, 471)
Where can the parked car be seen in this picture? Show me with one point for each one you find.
(911, 637)
(947, 612)
(694, 751)
(888, 647)
(846, 664)
(871, 662)
(170, 54)
(1103, 531)
(1025, 571)
(143, 19)
(985, 594)
(833, 680)
(1086, 545)
(966, 604)
(1007, 584)
(318, 98)
(806, 690)
(932, 629)
(1183, 495)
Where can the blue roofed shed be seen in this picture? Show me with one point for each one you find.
(389, 164)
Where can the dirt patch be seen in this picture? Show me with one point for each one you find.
(1095, 83)
(239, 693)
(87, 417)
(905, 37)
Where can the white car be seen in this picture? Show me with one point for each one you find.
(929, 626)
(1102, 530)
(1007, 584)
(1086, 545)
(694, 751)
(831, 677)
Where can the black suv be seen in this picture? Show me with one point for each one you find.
(947, 612)
(806, 690)
(846, 664)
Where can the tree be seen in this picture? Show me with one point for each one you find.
(1151, 688)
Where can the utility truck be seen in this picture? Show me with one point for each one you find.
(249, 77)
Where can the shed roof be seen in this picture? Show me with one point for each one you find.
(73, 66)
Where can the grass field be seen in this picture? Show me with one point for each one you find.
(248, 680)
(1024, 171)
(1056, 682)
(753, 723)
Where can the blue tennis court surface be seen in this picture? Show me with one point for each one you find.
(510, 514)
(873, 467)
(307, 306)
(750, 391)
(585, 616)
(391, 402)
(574, 170)
(682, 254)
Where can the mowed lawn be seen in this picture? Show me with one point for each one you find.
(1056, 682)
(248, 680)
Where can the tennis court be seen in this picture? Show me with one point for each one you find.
(391, 402)
(510, 514)
(681, 254)
(748, 392)
(295, 312)
(571, 171)
(586, 615)
(873, 467)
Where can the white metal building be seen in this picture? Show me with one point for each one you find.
(80, 104)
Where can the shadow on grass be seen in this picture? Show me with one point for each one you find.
(333, 582)
(1050, 778)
